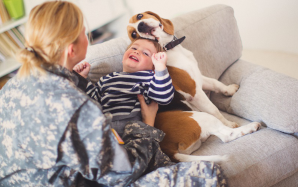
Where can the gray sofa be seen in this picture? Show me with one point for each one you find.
(268, 157)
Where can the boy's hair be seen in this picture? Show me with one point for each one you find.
(155, 43)
(51, 27)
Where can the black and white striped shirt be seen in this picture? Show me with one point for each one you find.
(117, 92)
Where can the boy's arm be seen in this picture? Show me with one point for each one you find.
(161, 89)
(93, 90)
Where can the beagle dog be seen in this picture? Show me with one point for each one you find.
(191, 117)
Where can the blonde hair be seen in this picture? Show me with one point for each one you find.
(51, 27)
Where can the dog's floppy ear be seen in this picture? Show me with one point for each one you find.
(168, 26)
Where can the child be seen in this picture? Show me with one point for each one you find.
(144, 72)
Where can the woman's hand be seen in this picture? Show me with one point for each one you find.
(148, 111)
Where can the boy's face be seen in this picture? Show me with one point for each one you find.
(138, 56)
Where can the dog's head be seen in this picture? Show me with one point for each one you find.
(149, 25)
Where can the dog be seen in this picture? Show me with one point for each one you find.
(191, 117)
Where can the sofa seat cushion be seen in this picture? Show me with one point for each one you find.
(266, 156)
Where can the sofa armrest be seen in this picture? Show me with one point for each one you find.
(264, 95)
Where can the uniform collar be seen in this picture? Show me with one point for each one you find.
(62, 72)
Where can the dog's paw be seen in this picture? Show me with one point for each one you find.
(255, 126)
(231, 90)
(231, 124)
(250, 128)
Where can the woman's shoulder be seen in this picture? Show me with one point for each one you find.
(45, 99)
(50, 87)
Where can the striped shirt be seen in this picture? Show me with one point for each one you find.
(117, 92)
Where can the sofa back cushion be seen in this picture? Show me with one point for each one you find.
(106, 57)
(211, 34)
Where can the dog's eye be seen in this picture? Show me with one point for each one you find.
(139, 16)
(134, 34)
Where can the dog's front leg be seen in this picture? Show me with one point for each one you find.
(218, 87)
(201, 102)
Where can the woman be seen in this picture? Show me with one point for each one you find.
(53, 134)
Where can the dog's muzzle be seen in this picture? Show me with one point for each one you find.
(144, 28)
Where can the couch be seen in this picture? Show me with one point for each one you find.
(268, 157)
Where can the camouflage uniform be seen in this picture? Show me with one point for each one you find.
(53, 134)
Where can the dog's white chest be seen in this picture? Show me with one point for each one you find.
(181, 58)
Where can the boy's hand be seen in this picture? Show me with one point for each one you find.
(82, 68)
(160, 61)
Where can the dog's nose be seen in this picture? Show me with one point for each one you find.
(141, 26)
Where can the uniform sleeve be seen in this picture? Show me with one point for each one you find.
(161, 88)
(94, 90)
(89, 148)
(196, 173)
(144, 140)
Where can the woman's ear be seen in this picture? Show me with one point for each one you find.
(70, 51)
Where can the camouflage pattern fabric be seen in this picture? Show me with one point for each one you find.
(53, 134)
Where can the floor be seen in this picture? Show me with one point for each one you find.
(286, 63)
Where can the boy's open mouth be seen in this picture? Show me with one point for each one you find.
(134, 58)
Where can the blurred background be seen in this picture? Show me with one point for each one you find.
(268, 28)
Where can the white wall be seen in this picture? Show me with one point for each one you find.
(263, 24)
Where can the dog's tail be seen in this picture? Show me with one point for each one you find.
(212, 158)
